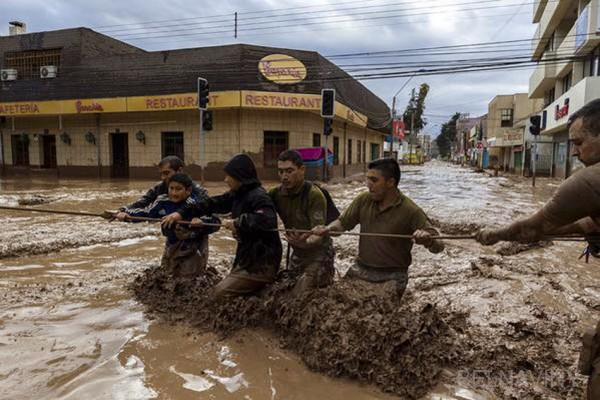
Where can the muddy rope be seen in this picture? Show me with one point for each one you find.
(108, 215)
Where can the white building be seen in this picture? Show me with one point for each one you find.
(566, 29)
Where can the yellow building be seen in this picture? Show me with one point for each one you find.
(75, 103)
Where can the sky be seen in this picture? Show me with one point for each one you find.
(329, 27)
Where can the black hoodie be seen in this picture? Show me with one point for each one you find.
(259, 245)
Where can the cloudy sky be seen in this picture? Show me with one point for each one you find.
(348, 27)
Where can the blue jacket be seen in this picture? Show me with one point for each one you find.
(162, 206)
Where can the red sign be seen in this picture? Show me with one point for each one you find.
(561, 112)
(92, 107)
(398, 127)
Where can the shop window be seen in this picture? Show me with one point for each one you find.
(349, 152)
(336, 150)
(172, 144)
(20, 150)
(28, 63)
(506, 117)
(274, 144)
(316, 140)
(374, 151)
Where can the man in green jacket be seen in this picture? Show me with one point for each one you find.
(302, 205)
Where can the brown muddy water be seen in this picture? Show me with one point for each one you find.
(71, 329)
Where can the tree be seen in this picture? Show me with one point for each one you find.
(416, 106)
(447, 136)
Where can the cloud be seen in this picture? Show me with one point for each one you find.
(431, 23)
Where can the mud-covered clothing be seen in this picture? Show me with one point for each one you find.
(304, 208)
(576, 198)
(199, 194)
(240, 282)
(186, 250)
(316, 271)
(403, 217)
(379, 275)
(185, 259)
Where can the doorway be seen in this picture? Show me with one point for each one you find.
(49, 151)
(20, 150)
(274, 143)
(120, 155)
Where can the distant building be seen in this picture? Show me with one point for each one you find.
(506, 122)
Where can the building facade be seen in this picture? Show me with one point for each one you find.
(567, 47)
(506, 123)
(80, 104)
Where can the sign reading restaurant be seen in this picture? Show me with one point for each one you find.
(282, 69)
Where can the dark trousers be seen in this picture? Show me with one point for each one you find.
(240, 282)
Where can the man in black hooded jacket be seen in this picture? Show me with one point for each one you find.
(253, 224)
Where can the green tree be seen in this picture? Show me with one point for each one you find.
(416, 106)
(447, 136)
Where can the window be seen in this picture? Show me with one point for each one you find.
(567, 81)
(550, 97)
(28, 63)
(358, 151)
(316, 140)
(172, 144)
(274, 144)
(364, 151)
(506, 117)
(374, 151)
(20, 150)
(336, 150)
(349, 152)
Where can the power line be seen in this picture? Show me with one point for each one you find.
(239, 13)
(206, 22)
(304, 23)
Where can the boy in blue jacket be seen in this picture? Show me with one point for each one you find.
(186, 250)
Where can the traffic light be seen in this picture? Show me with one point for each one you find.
(536, 122)
(328, 103)
(327, 126)
(203, 92)
(207, 120)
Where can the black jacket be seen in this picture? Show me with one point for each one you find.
(255, 215)
(254, 212)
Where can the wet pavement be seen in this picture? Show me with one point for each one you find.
(70, 328)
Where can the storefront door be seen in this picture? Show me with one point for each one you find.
(120, 155)
(49, 151)
(274, 143)
(20, 150)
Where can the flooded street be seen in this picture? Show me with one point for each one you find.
(71, 329)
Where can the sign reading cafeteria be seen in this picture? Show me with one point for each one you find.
(282, 69)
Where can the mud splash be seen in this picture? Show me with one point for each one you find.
(347, 330)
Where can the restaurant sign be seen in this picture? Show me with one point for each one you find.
(282, 69)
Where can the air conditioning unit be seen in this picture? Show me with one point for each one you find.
(48, 71)
(8, 75)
